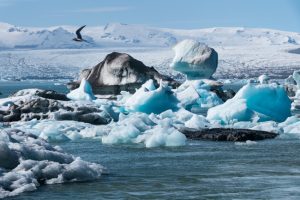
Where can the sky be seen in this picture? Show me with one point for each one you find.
(181, 14)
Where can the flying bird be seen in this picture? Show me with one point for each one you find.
(79, 37)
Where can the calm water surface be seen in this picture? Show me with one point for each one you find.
(201, 170)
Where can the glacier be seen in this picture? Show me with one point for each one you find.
(264, 51)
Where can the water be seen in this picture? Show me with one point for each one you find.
(9, 87)
(200, 170)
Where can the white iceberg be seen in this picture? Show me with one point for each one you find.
(137, 128)
(296, 77)
(83, 93)
(26, 162)
(197, 94)
(60, 131)
(261, 102)
(195, 59)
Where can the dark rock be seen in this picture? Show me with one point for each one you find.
(12, 117)
(40, 105)
(223, 94)
(120, 72)
(38, 108)
(227, 134)
(93, 118)
(51, 94)
(47, 94)
(8, 159)
(291, 90)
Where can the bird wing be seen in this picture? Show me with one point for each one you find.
(78, 32)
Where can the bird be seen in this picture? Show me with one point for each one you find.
(79, 37)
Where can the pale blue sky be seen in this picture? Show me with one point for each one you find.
(277, 14)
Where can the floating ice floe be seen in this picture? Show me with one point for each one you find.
(195, 59)
(141, 128)
(27, 162)
(196, 94)
(60, 131)
(149, 99)
(83, 93)
(247, 143)
(261, 102)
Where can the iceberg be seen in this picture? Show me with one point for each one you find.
(60, 131)
(139, 128)
(196, 94)
(149, 99)
(195, 59)
(83, 93)
(296, 77)
(26, 162)
(261, 102)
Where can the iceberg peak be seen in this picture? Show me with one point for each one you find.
(83, 93)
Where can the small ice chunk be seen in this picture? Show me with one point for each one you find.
(263, 79)
(296, 77)
(83, 93)
(248, 142)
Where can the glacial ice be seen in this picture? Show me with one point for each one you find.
(83, 93)
(141, 128)
(296, 77)
(195, 59)
(263, 79)
(149, 99)
(60, 131)
(261, 102)
(196, 94)
(26, 162)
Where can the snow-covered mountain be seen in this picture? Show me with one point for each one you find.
(117, 34)
(30, 52)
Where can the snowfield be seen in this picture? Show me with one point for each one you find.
(31, 53)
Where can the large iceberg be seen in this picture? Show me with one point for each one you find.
(195, 59)
(260, 102)
(27, 162)
(83, 93)
(149, 99)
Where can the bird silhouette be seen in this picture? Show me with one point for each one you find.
(79, 37)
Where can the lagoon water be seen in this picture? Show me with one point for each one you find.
(200, 170)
